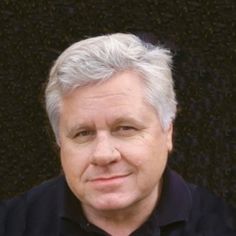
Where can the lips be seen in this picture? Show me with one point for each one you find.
(108, 178)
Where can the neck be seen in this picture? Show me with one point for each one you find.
(122, 222)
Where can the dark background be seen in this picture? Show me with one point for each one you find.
(201, 35)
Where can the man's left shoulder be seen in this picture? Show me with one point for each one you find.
(210, 213)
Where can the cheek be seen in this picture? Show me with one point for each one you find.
(150, 152)
(74, 161)
(136, 152)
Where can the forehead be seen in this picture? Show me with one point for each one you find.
(126, 84)
(122, 95)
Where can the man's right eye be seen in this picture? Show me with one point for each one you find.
(84, 135)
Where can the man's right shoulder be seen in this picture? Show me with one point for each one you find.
(37, 203)
(42, 192)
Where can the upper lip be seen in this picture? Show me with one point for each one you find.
(108, 177)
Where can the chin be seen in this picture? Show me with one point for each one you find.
(111, 203)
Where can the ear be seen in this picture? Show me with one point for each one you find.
(169, 134)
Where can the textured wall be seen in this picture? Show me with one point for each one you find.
(200, 33)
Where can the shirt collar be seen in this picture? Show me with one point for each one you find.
(71, 208)
(176, 200)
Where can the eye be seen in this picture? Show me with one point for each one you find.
(83, 133)
(126, 130)
(84, 136)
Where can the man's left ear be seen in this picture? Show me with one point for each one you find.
(169, 133)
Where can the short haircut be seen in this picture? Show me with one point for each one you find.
(99, 58)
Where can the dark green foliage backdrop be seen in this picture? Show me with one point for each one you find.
(200, 33)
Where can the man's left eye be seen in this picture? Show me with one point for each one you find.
(125, 130)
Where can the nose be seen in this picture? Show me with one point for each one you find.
(104, 152)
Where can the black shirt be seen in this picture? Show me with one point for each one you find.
(51, 209)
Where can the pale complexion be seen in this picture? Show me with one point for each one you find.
(113, 152)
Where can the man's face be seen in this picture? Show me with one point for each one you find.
(113, 148)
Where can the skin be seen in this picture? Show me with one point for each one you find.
(113, 152)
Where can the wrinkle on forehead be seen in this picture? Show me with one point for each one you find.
(97, 96)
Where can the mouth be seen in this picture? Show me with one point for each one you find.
(113, 180)
(109, 178)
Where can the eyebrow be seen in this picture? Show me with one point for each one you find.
(71, 131)
(129, 119)
(90, 125)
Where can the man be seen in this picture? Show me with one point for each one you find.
(111, 104)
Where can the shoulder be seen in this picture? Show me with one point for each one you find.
(196, 209)
(41, 202)
(210, 213)
(36, 195)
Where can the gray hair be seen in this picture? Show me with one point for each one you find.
(98, 59)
